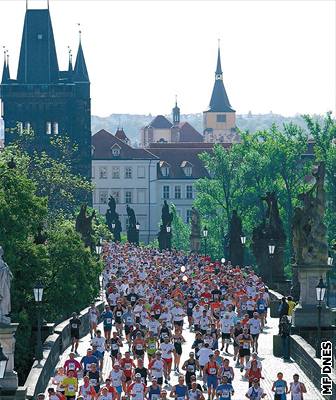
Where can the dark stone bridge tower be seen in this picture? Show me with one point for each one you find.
(45, 99)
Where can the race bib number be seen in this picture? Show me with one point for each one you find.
(246, 346)
(118, 314)
(93, 382)
(71, 388)
(88, 367)
(212, 371)
(225, 393)
(261, 307)
(279, 390)
(155, 397)
(191, 368)
(139, 347)
(71, 366)
(108, 321)
(115, 346)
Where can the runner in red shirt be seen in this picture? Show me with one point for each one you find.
(127, 365)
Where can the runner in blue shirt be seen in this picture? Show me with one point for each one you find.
(179, 391)
(280, 388)
(107, 316)
(225, 390)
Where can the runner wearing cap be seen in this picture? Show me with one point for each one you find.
(137, 389)
(117, 379)
(154, 390)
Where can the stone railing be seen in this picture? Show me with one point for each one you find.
(53, 347)
(304, 355)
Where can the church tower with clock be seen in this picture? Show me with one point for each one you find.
(50, 102)
(219, 120)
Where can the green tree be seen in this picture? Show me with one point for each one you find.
(181, 232)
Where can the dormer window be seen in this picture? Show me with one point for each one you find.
(165, 171)
(115, 149)
(165, 168)
(187, 168)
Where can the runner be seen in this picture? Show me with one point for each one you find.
(74, 323)
(280, 388)
(225, 390)
(255, 392)
(93, 319)
(297, 388)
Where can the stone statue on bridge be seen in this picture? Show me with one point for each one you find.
(112, 217)
(84, 225)
(165, 237)
(195, 236)
(5, 296)
(309, 231)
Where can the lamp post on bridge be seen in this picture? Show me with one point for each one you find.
(271, 250)
(320, 293)
(205, 236)
(38, 295)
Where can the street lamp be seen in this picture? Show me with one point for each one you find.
(38, 294)
(183, 268)
(223, 260)
(271, 250)
(320, 293)
(330, 261)
(113, 225)
(3, 363)
(168, 228)
(137, 226)
(205, 235)
(99, 248)
(243, 239)
(185, 278)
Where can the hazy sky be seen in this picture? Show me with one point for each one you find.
(276, 55)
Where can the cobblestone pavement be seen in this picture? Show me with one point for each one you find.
(271, 365)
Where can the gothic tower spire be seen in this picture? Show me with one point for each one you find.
(176, 113)
(219, 99)
(5, 70)
(80, 71)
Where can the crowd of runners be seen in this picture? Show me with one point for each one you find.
(153, 300)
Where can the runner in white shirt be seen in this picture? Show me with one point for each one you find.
(255, 328)
(296, 388)
(255, 392)
(226, 327)
(137, 389)
(167, 349)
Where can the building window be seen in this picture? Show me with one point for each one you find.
(188, 171)
(177, 192)
(48, 128)
(115, 172)
(178, 212)
(165, 171)
(55, 128)
(165, 192)
(102, 173)
(189, 216)
(189, 192)
(115, 151)
(221, 118)
(103, 195)
(116, 196)
(128, 173)
(141, 172)
(93, 172)
(141, 196)
(128, 197)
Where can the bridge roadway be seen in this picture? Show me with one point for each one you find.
(270, 365)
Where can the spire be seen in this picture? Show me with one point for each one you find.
(219, 72)
(219, 100)
(5, 70)
(80, 71)
(176, 113)
(70, 68)
(38, 59)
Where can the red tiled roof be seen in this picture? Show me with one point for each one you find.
(102, 141)
(188, 133)
(160, 122)
(176, 156)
